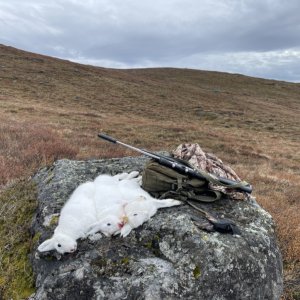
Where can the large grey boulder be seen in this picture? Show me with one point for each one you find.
(168, 257)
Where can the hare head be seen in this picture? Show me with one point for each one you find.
(60, 242)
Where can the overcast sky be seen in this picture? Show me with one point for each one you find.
(259, 38)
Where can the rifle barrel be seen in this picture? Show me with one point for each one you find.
(112, 140)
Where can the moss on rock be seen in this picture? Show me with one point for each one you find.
(54, 221)
(18, 204)
(197, 272)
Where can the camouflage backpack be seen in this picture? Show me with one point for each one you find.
(163, 182)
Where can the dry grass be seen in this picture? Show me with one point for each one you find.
(51, 109)
(25, 147)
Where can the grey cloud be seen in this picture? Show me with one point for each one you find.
(155, 32)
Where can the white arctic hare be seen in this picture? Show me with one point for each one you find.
(75, 217)
(109, 203)
(118, 196)
(81, 211)
(133, 205)
(141, 210)
(110, 200)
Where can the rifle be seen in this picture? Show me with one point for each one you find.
(184, 168)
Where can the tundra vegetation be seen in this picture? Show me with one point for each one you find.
(51, 109)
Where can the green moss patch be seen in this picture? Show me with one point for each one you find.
(54, 221)
(17, 206)
(153, 245)
(197, 272)
(112, 267)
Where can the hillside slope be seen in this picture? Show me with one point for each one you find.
(51, 108)
(34, 86)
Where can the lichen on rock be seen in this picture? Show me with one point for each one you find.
(168, 257)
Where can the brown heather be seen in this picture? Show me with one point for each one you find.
(51, 109)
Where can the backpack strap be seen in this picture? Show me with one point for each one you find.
(188, 194)
(207, 196)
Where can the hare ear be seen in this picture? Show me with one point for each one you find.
(125, 230)
(121, 176)
(46, 245)
(166, 203)
(132, 175)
